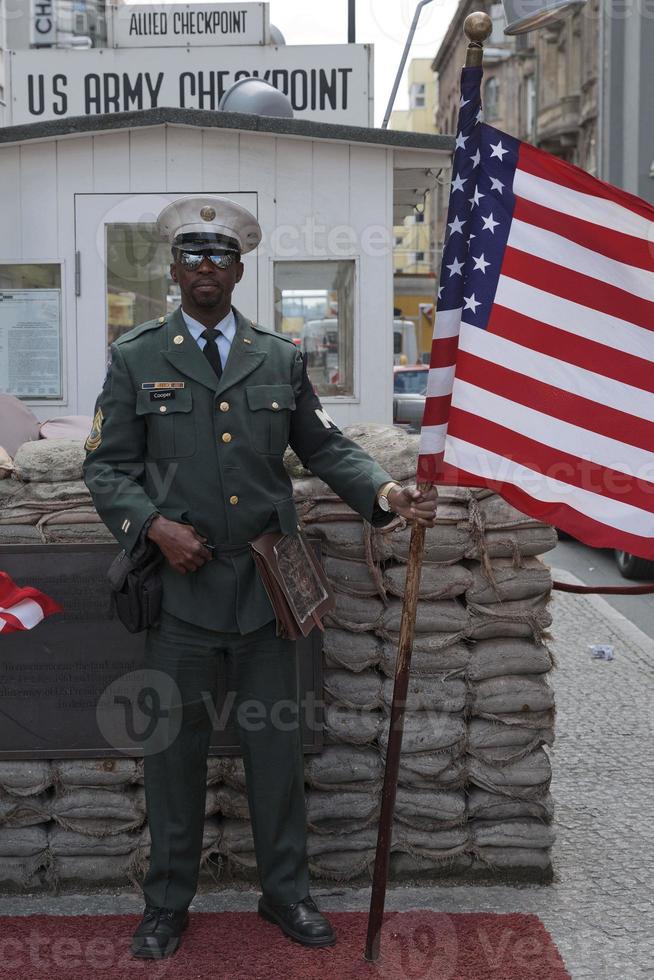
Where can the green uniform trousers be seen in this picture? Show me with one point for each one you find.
(261, 671)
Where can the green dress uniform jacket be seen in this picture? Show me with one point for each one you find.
(170, 437)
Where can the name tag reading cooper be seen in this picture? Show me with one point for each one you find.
(162, 396)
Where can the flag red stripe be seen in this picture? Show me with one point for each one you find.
(437, 410)
(542, 164)
(583, 528)
(553, 463)
(556, 403)
(577, 287)
(569, 347)
(429, 466)
(443, 352)
(614, 244)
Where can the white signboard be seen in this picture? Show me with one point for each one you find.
(30, 342)
(161, 25)
(328, 83)
(44, 27)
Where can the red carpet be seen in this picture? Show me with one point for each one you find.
(241, 946)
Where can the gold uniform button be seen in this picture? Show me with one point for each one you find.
(162, 408)
(275, 405)
(227, 437)
(233, 500)
(224, 406)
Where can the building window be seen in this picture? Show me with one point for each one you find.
(417, 98)
(398, 240)
(31, 338)
(314, 306)
(420, 256)
(491, 99)
(420, 217)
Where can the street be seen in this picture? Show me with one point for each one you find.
(595, 566)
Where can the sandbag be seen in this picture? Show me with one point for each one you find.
(60, 532)
(362, 690)
(493, 806)
(513, 693)
(228, 801)
(90, 870)
(434, 693)
(356, 727)
(22, 841)
(95, 772)
(443, 543)
(484, 734)
(514, 858)
(353, 651)
(429, 809)
(340, 766)
(232, 772)
(27, 811)
(99, 812)
(427, 731)
(395, 450)
(19, 534)
(73, 427)
(436, 581)
(431, 655)
(18, 423)
(528, 617)
(50, 461)
(510, 583)
(235, 837)
(497, 513)
(350, 575)
(358, 840)
(26, 778)
(507, 655)
(34, 500)
(412, 840)
(67, 842)
(6, 464)
(340, 812)
(533, 772)
(441, 864)
(511, 833)
(369, 614)
(425, 769)
(342, 865)
(517, 543)
(23, 872)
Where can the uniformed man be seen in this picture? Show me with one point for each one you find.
(186, 449)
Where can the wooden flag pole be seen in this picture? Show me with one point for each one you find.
(477, 28)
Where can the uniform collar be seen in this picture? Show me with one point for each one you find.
(227, 326)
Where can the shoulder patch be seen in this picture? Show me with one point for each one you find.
(140, 329)
(95, 435)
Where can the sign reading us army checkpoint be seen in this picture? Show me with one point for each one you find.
(326, 83)
(144, 25)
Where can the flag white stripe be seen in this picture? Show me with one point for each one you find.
(488, 465)
(555, 248)
(432, 439)
(575, 318)
(439, 381)
(588, 207)
(27, 611)
(3, 623)
(560, 435)
(447, 323)
(559, 374)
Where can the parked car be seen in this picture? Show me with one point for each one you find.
(409, 394)
(631, 566)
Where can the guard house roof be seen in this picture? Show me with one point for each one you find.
(417, 161)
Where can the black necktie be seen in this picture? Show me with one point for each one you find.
(211, 350)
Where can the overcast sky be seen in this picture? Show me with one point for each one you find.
(383, 23)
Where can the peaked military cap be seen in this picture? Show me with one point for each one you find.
(205, 220)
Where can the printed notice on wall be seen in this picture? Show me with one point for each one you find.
(30, 343)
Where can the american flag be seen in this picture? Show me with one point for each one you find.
(22, 607)
(541, 382)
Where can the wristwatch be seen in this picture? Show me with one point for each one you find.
(382, 495)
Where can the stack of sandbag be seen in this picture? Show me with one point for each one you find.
(25, 789)
(46, 501)
(474, 776)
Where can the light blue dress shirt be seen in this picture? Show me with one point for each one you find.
(227, 328)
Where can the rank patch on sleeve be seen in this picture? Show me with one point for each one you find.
(95, 435)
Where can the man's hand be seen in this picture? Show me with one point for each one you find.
(418, 506)
(180, 544)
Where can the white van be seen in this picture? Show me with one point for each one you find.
(405, 342)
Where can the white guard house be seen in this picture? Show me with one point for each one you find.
(80, 263)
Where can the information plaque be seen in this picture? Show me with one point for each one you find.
(30, 343)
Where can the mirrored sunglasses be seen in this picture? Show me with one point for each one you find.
(193, 260)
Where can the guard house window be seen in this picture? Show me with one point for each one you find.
(139, 286)
(314, 306)
(31, 347)
(417, 95)
(492, 99)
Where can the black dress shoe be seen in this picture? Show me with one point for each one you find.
(301, 921)
(158, 933)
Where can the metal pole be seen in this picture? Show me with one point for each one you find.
(405, 55)
(351, 21)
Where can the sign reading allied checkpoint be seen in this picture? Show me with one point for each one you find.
(167, 25)
(326, 83)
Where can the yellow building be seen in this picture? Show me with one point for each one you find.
(416, 258)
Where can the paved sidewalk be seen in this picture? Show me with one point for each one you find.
(600, 908)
